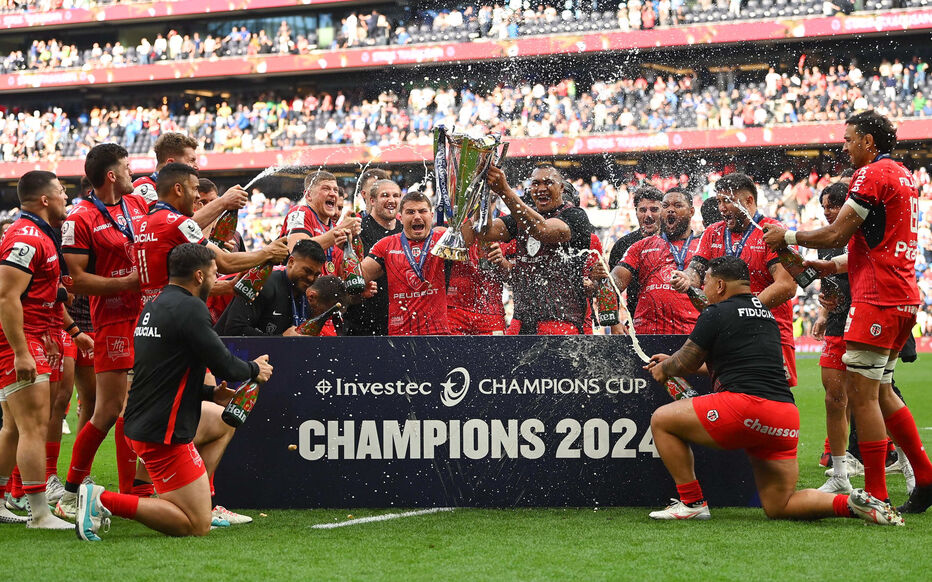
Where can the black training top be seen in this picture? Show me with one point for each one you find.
(270, 314)
(743, 343)
(371, 316)
(835, 325)
(619, 249)
(175, 344)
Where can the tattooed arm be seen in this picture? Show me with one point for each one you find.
(689, 359)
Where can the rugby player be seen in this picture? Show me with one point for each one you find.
(735, 236)
(474, 295)
(553, 241)
(652, 260)
(30, 281)
(751, 408)
(97, 242)
(174, 345)
(647, 206)
(879, 224)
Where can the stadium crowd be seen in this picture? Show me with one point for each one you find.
(649, 102)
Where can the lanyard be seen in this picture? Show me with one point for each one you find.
(881, 157)
(50, 232)
(679, 257)
(736, 251)
(297, 317)
(329, 251)
(127, 230)
(159, 205)
(418, 265)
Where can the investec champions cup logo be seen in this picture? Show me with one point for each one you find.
(454, 393)
(324, 386)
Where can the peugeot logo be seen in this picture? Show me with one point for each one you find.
(324, 386)
(452, 395)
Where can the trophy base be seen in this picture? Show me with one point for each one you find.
(450, 253)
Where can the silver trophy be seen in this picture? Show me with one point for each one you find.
(461, 163)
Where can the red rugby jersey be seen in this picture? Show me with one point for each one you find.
(759, 258)
(473, 289)
(415, 306)
(86, 231)
(882, 253)
(303, 219)
(661, 309)
(160, 231)
(27, 248)
(145, 187)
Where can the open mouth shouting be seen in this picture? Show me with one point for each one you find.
(419, 228)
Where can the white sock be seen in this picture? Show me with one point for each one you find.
(38, 505)
(839, 468)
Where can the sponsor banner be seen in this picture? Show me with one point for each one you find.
(140, 10)
(460, 421)
(811, 135)
(362, 58)
(808, 345)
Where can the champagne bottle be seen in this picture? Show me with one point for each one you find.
(678, 388)
(698, 298)
(224, 229)
(241, 404)
(251, 283)
(607, 303)
(792, 261)
(352, 269)
(315, 325)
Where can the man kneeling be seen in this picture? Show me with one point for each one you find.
(175, 343)
(751, 408)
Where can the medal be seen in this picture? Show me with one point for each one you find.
(330, 268)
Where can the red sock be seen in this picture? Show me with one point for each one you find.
(827, 448)
(16, 479)
(120, 504)
(212, 491)
(33, 488)
(903, 428)
(840, 506)
(82, 454)
(690, 492)
(874, 453)
(126, 458)
(143, 490)
(52, 451)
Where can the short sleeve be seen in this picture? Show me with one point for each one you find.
(865, 187)
(190, 232)
(75, 236)
(21, 254)
(632, 258)
(704, 252)
(379, 251)
(296, 222)
(511, 224)
(580, 227)
(703, 334)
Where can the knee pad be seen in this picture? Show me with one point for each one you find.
(866, 363)
(888, 371)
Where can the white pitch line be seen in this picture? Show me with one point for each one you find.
(384, 517)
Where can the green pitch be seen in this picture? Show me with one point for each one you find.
(528, 544)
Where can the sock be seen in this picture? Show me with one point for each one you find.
(16, 480)
(839, 467)
(4, 482)
(875, 480)
(82, 455)
(52, 450)
(126, 458)
(38, 502)
(120, 504)
(212, 490)
(142, 488)
(840, 506)
(903, 428)
(690, 492)
(827, 449)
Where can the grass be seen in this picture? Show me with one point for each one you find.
(529, 544)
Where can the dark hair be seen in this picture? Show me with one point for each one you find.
(729, 268)
(847, 173)
(376, 174)
(570, 194)
(837, 193)
(677, 190)
(309, 249)
(736, 182)
(204, 186)
(330, 289)
(185, 259)
(172, 144)
(33, 184)
(318, 177)
(85, 186)
(549, 166)
(710, 212)
(647, 192)
(414, 196)
(100, 160)
(172, 174)
(872, 123)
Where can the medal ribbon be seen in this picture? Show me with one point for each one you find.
(679, 257)
(295, 316)
(736, 251)
(418, 265)
(159, 205)
(128, 229)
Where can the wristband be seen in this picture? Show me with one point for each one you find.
(789, 237)
(73, 325)
(75, 334)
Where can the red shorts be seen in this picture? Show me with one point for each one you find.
(69, 350)
(170, 466)
(7, 369)
(765, 429)
(789, 363)
(59, 339)
(113, 348)
(85, 358)
(545, 328)
(832, 352)
(882, 327)
(464, 322)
